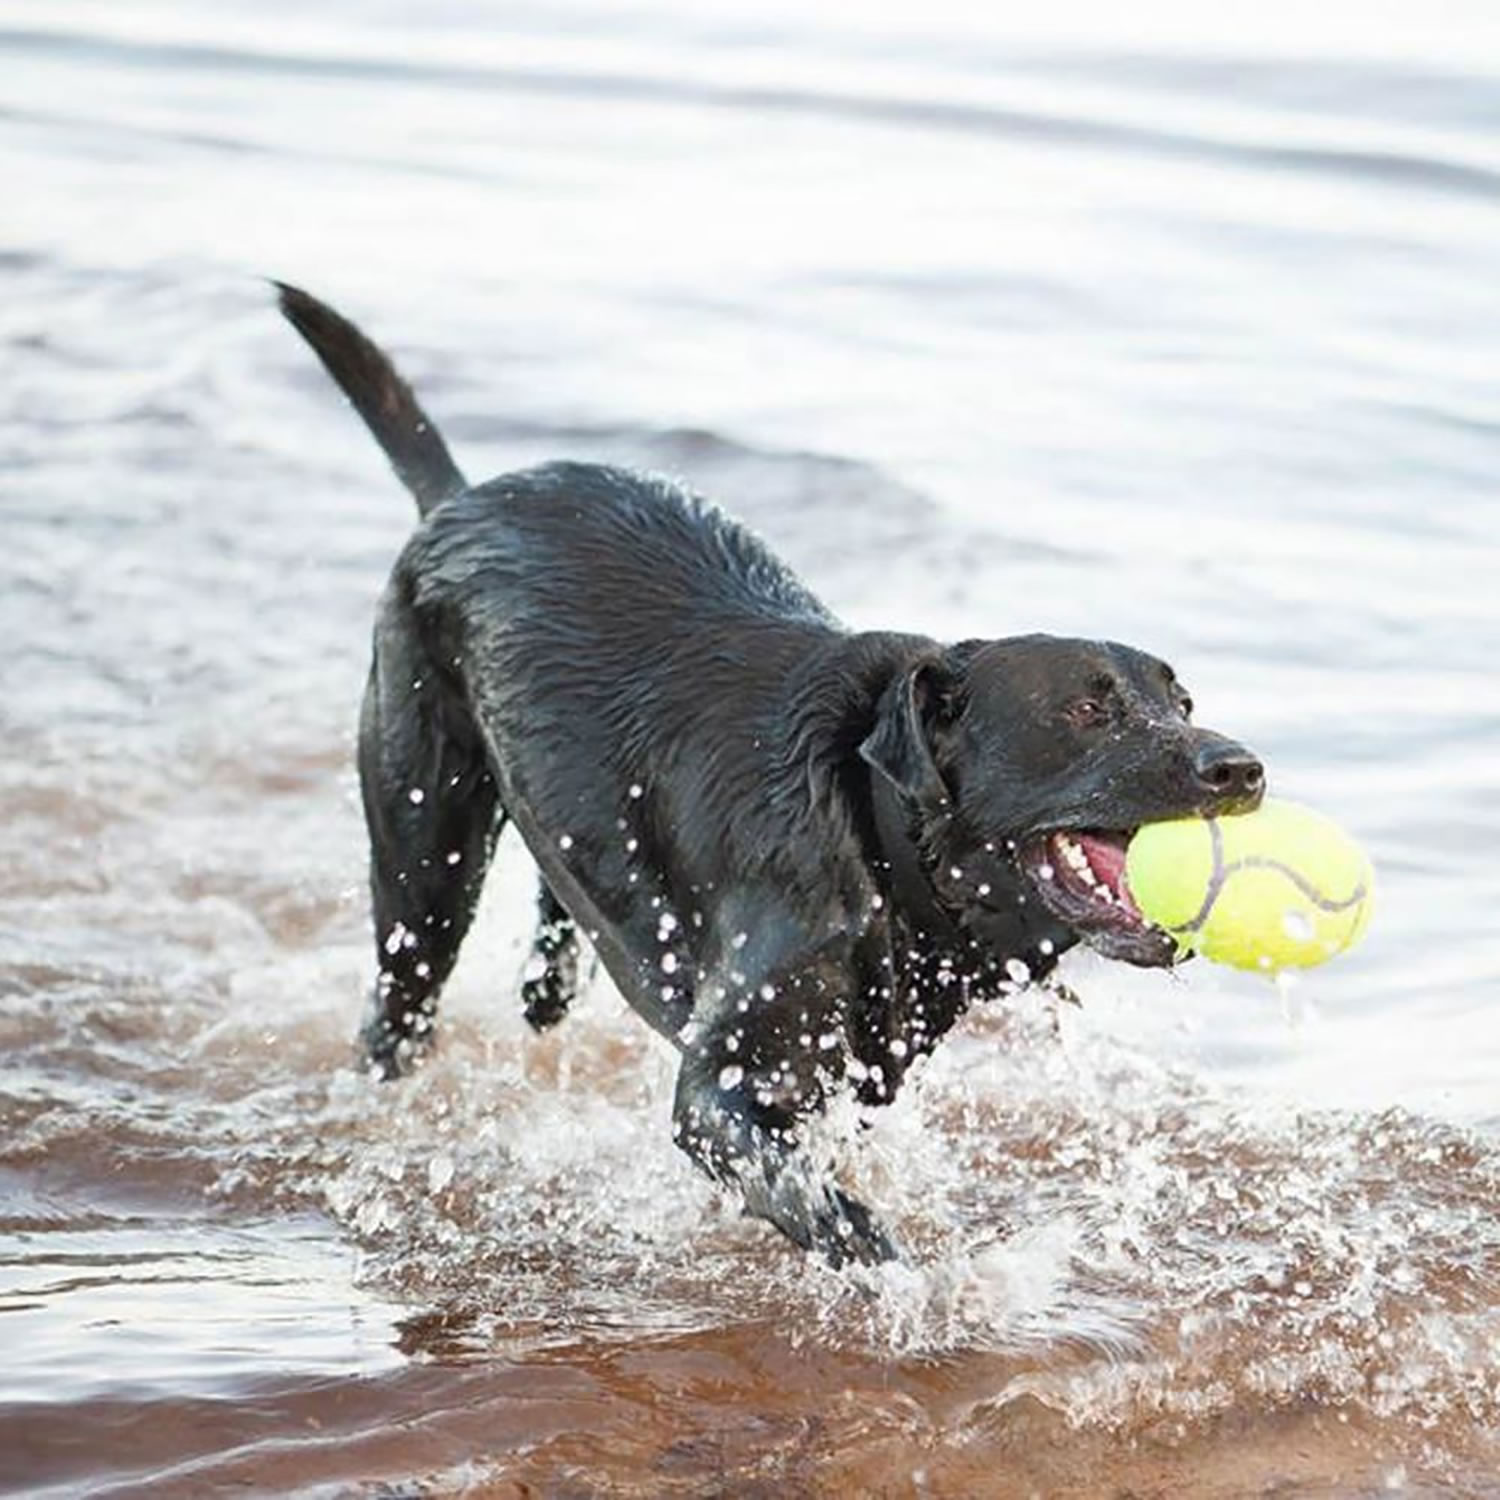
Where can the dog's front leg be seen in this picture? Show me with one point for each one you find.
(748, 1076)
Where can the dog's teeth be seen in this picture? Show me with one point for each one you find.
(1072, 854)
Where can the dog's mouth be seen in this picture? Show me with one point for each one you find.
(1080, 875)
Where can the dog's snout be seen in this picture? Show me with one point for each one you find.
(1232, 776)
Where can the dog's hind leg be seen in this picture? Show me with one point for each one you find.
(433, 813)
(552, 972)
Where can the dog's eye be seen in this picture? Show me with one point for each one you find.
(1185, 706)
(1084, 712)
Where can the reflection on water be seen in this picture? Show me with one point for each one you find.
(1060, 322)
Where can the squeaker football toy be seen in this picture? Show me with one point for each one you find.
(1279, 888)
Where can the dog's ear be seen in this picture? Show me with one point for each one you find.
(912, 710)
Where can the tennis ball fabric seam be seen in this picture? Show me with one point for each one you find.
(1222, 872)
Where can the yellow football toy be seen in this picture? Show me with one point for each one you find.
(1282, 887)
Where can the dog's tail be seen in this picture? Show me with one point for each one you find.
(367, 377)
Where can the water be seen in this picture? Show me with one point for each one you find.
(1098, 323)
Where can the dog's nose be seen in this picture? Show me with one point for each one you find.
(1231, 774)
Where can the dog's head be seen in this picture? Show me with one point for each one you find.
(1036, 758)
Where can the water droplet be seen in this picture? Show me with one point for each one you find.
(669, 963)
(417, 795)
(1297, 926)
(566, 841)
(454, 856)
(637, 790)
(730, 1076)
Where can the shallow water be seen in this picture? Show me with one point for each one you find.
(1092, 323)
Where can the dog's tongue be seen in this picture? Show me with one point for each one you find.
(1106, 859)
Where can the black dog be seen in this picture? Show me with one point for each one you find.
(800, 853)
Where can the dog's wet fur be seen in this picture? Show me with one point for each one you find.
(800, 852)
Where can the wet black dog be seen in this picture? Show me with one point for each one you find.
(800, 853)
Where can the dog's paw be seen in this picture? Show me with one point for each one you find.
(547, 996)
(826, 1220)
(386, 1053)
(854, 1233)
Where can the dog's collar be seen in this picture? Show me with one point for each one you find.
(911, 884)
